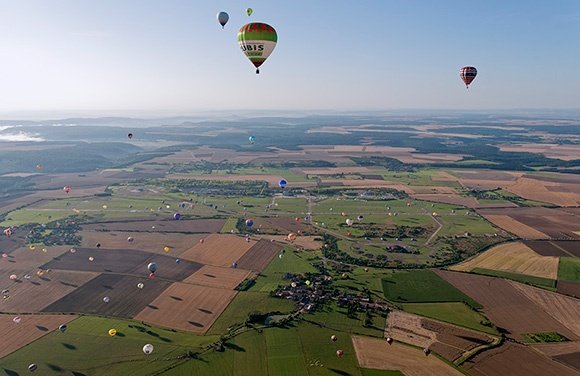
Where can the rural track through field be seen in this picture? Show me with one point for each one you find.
(436, 231)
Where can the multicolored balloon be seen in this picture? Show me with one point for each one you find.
(223, 18)
(257, 41)
(468, 74)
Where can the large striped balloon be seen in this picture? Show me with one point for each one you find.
(468, 74)
(257, 40)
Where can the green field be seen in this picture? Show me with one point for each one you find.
(453, 313)
(291, 262)
(548, 337)
(422, 286)
(86, 348)
(336, 318)
(536, 281)
(244, 303)
(569, 269)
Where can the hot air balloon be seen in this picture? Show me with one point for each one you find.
(166, 249)
(223, 18)
(8, 232)
(282, 183)
(360, 218)
(249, 11)
(177, 261)
(349, 222)
(63, 328)
(467, 74)
(13, 277)
(140, 285)
(130, 136)
(66, 189)
(17, 319)
(177, 216)
(112, 332)
(292, 236)
(148, 349)
(339, 353)
(39, 167)
(91, 258)
(257, 40)
(152, 267)
(106, 299)
(234, 265)
(333, 338)
(249, 222)
(130, 239)
(32, 367)
(252, 139)
(389, 340)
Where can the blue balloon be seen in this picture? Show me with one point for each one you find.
(177, 261)
(223, 18)
(252, 139)
(282, 183)
(249, 223)
(177, 216)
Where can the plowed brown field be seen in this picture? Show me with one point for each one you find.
(145, 241)
(30, 328)
(187, 307)
(563, 308)
(259, 256)
(546, 191)
(515, 360)
(509, 224)
(378, 354)
(506, 306)
(513, 257)
(25, 259)
(38, 292)
(306, 242)
(215, 276)
(219, 250)
(447, 340)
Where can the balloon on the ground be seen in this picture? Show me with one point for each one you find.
(223, 18)
(468, 74)
(148, 349)
(249, 11)
(152, 267)
(257, 41)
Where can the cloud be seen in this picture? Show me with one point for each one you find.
(21, 137)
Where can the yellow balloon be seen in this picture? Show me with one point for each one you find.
(166, 249)
(112, 332)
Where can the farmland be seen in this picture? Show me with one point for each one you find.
(222, 301)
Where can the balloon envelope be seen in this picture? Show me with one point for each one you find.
(33, 367)
(63, 328)
(130, 136)
(249, 11)
(177, 216)
(468, 74)
(112, 332)
(249, 223)
(223, 18)
(252, 139)
(257, 41)
(349, 222)
(152, 267)
(148, 349)
(282, 183)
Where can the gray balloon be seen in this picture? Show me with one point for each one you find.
(152, 267)
(223, 18)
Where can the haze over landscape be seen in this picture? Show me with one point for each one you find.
(397, 192)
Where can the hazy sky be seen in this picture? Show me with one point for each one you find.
(171, 56)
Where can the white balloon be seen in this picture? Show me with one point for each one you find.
(148, 349)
